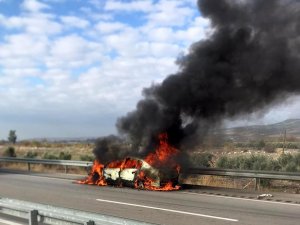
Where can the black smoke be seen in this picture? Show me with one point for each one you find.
(250, 61)
(111, 148)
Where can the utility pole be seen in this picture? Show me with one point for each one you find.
(284, 138)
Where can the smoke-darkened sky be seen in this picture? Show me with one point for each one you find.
(71, 68)
(249, 62)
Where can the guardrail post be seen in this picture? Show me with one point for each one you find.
(257, 183)
(88, 169)
(90, 222)
(66, 169)
(33, 217)
(28, 164)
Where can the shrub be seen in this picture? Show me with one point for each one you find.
(286, 162)
(49, 156)
(273, 165)
(64, 156)
(252, 162)
(291, 167)
(10, 152)
(260, 162)
(261, 144)
(269, 148)
(284, 159)
(31, 154)
(223, 162)
(297, 159)
(86, 158)
(201, 160)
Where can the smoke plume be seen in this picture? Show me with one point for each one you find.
(110, 148)
(250, 61)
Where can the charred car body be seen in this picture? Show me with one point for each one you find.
(135, 172)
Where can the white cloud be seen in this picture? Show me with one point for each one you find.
(199, 29)
(110, 27)
(96, 70)
(23, 45)
(73, 51)
(170, 13)
(73, 21)
(140, 5)
(34, 23)
(96, 3)
(164, 50)
(124, 42)
(96, 15)
(161, 34)
(34, 5)
(22, 54)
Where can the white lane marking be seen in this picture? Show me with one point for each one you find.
(168, 210)
(9, 222)
(245, 199)
(46, 177)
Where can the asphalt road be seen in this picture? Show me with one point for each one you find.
(174, 208)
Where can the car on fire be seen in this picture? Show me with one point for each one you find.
(135, 172)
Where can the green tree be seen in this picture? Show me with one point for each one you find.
(12, 137)
(10, 152)
(261, 144)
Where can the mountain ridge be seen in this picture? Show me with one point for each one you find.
(255, 132)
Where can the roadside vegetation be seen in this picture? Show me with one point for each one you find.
(266, 154)
(9, 152)
(285, 162)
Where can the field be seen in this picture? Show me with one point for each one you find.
(46, 150)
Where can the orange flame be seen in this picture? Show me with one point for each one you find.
(164, 153)
(96, 175)
(163, 157)
(124, 164)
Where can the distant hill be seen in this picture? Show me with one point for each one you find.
(238, 134)
(257, 132)
(64, 140)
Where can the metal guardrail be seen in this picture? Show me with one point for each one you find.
(246, 173)
(35, 213)
(64, 163)
(256, 174)
(202, 171)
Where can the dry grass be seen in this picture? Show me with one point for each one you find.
(44, 168)
(216, 181)
(241, 183)
(76, 150)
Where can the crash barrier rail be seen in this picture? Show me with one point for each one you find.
(39, 213)
(255, 174)
(64, 163)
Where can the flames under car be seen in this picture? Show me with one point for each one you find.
(135, 172)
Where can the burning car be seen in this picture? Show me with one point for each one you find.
(137, 173)
(158, 171)
(133, 172)
(129, 172)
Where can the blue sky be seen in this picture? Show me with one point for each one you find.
(69, 68)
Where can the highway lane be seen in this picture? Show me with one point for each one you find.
(174, 208)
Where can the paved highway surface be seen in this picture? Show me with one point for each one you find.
(174, 208)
